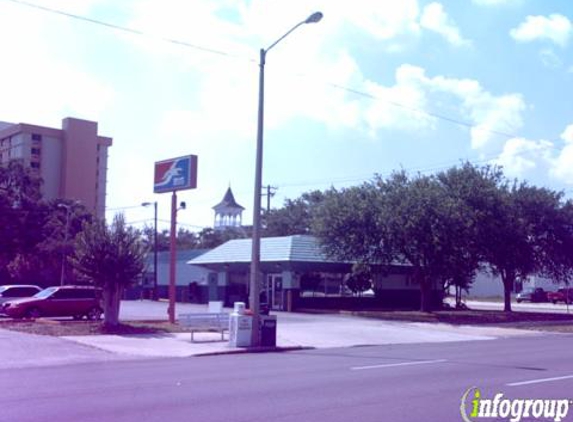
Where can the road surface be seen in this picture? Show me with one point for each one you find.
(413, 382)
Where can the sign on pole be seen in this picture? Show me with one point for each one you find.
(171, 176)
(175, 174)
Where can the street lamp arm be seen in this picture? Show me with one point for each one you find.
(315, 17)
(284, 36)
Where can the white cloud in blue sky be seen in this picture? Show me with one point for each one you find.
(555, 27)
(434, 18)
(373, 87)
(495, 2)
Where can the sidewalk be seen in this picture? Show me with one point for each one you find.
(293, 331)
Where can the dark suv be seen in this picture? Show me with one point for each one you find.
(59, 301)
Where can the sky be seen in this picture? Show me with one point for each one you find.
(376, 86)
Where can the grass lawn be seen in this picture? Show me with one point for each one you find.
(524, 320)
(52, 327)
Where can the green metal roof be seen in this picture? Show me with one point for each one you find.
(297, 248)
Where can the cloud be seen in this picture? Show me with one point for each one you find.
(550, 59)
(563, 166)
(435, 19)
(382, 20)
(523, 157)
(45, 85)
(520, 156)
(494, 2)
(567, 134)
(556, 28)
(488, 113)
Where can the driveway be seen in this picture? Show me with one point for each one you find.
(294, 330)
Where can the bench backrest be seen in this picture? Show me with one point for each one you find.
(220, 320)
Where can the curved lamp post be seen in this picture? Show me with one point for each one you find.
(255, 276)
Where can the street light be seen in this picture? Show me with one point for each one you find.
(146, 204)
(254, 286)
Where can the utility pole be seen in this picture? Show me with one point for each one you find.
(271, 190)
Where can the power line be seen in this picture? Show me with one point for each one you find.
(227, 54)
(127, 30)
(419, 111)
(197, 47)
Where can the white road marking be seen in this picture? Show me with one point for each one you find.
(538, 381)
(389, 365)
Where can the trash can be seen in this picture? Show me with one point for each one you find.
(240, 327)
(268, 330)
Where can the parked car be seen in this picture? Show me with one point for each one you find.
(532, 295)
(564, 295)
(60, 301)
(16, 291)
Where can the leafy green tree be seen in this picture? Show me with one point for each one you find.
(209, 238)
(527, 234)
(476, 191)
(21, 214)
(187, 239)
(360, 279)
(111, 258)
(397, 220)
(556, 247)
(295, 217)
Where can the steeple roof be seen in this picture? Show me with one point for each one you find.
(228, 202)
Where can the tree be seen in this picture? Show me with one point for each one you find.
(295, 217)
(209, 238)
(111, 258)
(413, 221)
(529, 233)
(450, 225)
(360, 279)
(21, 212)
(476, 191)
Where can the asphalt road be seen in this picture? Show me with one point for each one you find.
(421, 382)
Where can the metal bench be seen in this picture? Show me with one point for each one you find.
(205, 322)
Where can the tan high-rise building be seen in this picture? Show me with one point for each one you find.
(72, 161)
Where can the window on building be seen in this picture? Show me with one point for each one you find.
(35, 151)
(36, 137)
(35, 165)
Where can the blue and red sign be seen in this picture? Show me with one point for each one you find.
(175, 174)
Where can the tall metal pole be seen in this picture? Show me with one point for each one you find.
(255, 276)
(172, 258)
(155, 253)
(255, 283)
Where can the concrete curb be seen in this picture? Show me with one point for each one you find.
(247, 350)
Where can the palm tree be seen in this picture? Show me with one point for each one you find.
(111, 258)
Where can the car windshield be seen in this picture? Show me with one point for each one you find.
(3, 288)
(45, 293)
